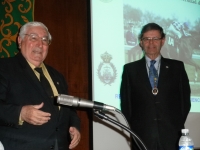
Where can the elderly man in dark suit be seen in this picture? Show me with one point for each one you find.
(155, 94)
(29, 117)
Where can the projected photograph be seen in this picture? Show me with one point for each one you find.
(182, 28)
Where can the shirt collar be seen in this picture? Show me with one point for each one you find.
(33, 67)
(157, 60)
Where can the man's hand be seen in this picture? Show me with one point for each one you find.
(75, 136)
(32, 114)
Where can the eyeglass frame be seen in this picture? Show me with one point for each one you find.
(42, 38)
(153, 39)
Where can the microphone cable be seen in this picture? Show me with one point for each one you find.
(101, 115)
(135, 137)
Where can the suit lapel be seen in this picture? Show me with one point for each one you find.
(29, 75)
(54, 79)
(57, 83)
(164, 72)
(144, 75)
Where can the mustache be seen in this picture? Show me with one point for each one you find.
(37, 50)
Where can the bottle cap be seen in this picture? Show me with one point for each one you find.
(185, 131)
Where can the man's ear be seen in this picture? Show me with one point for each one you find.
(163, 41)
(140, 44)
(19, 40)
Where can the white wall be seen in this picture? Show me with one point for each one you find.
(107, 136)
(193, 124)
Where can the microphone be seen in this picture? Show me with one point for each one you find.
(78, 102)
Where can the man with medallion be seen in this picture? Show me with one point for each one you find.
(155, 93)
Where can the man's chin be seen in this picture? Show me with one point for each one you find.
(37, 60)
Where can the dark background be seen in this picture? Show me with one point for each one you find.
(68, 22)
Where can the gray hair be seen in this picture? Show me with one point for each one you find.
(25, 27)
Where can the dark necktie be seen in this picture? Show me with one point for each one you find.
(153, 75)
(45, 83)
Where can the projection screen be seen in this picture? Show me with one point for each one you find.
(114, 31)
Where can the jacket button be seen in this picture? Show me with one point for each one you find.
(56, 129)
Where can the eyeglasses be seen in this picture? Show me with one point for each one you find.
(153, 39)
(35, 38)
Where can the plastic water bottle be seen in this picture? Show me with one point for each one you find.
(185, 142)
(1, 146)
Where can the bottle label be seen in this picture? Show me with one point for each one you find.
(186, 147)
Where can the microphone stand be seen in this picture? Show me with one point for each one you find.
(101, 115)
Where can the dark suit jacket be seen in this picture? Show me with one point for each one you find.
(160, 118)
(19, 86)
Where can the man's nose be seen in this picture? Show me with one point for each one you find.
(40, 42)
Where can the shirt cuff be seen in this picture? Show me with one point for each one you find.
(20, 121)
